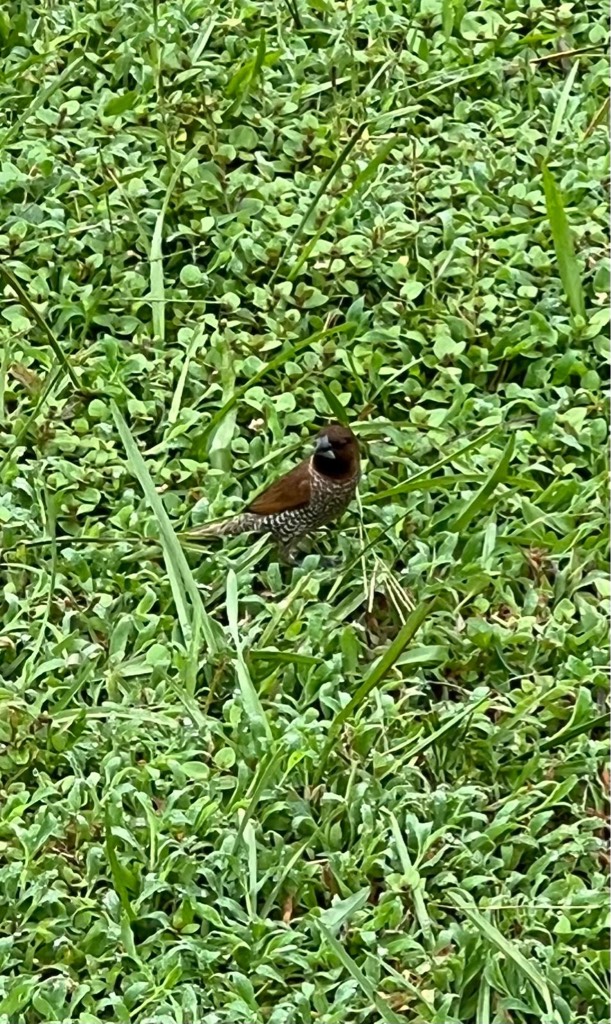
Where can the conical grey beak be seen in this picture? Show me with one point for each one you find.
(323, 447)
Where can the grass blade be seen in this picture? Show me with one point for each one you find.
(363, 983)
(452, 722)
(322, 188)
(563, 245)
(284, 873)
(361, 179)
(250, 842)
(484, 1003)
(203, 39)
(273, 364)
(122, 878)
(601, 115)
(376, 675)
(52, 531)
(562, 105)
(266, 770)
(180, 576)
(157, 283)
(495, 938)
(250, 697)
(334, 404)
(30, 308)
(478, 501)
(562, 737)
(423, 474)
(182, 379)
(413, 880)
(444, 483)
(40, 99)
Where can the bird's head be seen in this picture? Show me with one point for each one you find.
(337, 452)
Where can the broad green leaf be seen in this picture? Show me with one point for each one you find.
(339, 913)
(120, 104)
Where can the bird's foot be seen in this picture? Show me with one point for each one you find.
(331, 561)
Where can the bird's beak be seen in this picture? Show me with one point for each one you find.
(323, 447)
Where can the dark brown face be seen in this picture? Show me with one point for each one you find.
(336, 453)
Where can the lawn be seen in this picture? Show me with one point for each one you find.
(371, 787)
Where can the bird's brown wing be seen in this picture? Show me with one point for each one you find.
(290, 491)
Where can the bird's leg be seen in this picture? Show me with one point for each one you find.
(331, 561)
(286, 553)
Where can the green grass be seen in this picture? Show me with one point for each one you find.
(233, 792)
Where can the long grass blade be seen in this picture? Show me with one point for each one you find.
(182, 379)
(284, 873)
(322, 188)
(361, 179)
(274, 364)
(479, 500)
(444, 483)
(562, 105)
(180, 576)
(421, 745)
(250, 842)
(250, 697)
(483, 1013)
(157, 282)
(30, 308)
(563, 736)
(122, 878)
(428, 471)
(601, 115)
(376, 675)
(355, 972)
(40, 99)
(266, 771)
(52, 531)
(203, 39)
(564, 248)
(495, 938)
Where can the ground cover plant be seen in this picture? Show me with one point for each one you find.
(233, 791)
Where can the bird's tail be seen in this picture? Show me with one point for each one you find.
(247, 522)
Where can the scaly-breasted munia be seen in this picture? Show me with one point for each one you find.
(314, 493)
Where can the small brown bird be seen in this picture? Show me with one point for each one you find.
(314, 493)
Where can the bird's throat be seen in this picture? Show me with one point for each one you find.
(337, 469)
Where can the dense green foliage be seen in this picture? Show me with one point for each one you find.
(235, 792)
